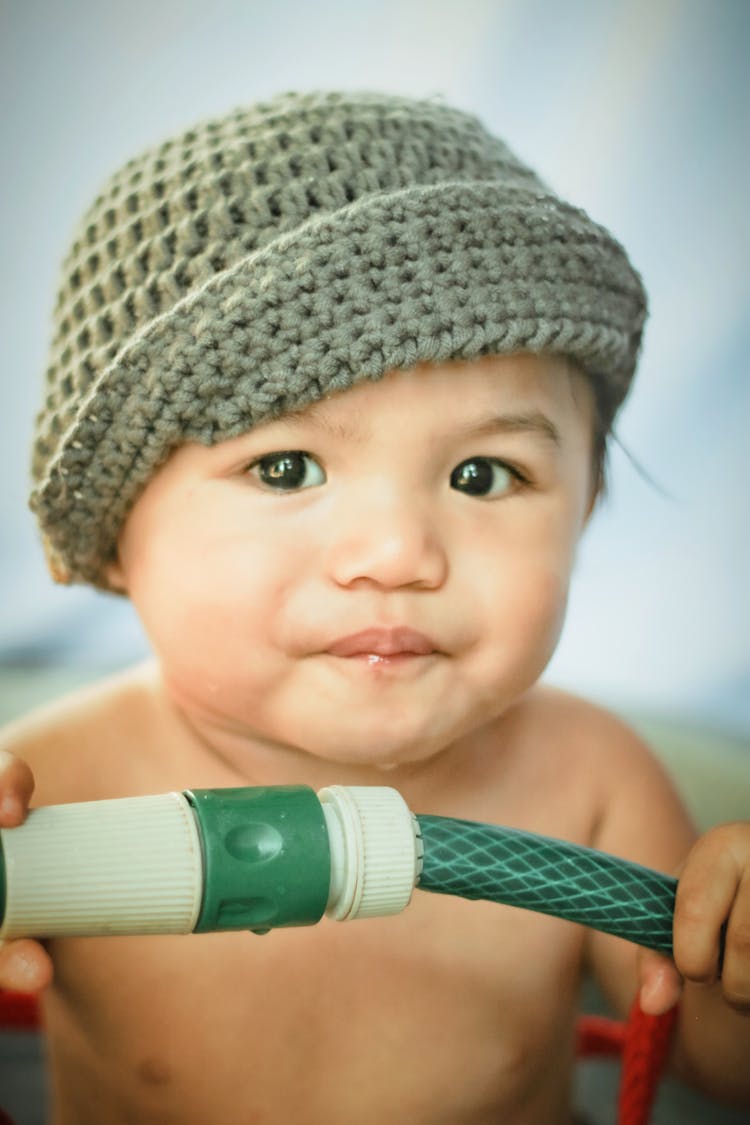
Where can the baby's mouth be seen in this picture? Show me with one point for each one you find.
(383, 645)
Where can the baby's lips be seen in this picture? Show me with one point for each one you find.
(378, 641)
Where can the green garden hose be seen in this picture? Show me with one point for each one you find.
(261, 858)
(482, 861)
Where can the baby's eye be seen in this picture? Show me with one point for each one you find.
(288, 471)
(484, 476)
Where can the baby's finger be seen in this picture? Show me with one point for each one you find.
(16, 787)
(705, 894)
(25, 966)
(735, 975)
(660, 983)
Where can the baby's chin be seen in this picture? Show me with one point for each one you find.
(384, 755)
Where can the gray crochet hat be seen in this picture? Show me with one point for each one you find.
(285, 252)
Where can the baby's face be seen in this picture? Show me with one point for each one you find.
(375, 577)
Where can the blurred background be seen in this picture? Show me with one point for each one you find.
(637, 110)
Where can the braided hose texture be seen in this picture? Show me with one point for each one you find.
(506, 865)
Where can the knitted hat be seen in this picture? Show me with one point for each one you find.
(285, 252)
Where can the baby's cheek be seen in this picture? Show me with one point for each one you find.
(552, 599)
(536, 614)
(518, 624)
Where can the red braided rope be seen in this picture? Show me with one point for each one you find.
(19, 1011)
(644, 1057)
(643, 1043)
(599, 1036)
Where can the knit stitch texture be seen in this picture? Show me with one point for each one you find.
(283, 253)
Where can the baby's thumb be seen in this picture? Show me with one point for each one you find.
(16, 787)
(659, 983)
(25, 966)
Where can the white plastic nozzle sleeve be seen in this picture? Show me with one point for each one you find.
(131, 865)
(376, 856)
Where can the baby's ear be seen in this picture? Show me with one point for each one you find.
(57, 568)
(115, 576)
(597, 492)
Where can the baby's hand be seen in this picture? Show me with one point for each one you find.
(25, 966)
(711, 925)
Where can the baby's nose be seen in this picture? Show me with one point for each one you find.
(388, 541)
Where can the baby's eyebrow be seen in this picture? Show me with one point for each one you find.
(512, 422)
(341, 429)
(525, 421)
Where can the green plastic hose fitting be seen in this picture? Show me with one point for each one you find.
(266, 857)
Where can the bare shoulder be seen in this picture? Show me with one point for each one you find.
(562, 766)
(588, 730)
(636, 809)
(640, 814)
(72, 743)
(578, 734)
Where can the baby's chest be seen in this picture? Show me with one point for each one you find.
(451, 1004)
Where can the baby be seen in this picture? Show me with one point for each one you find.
(328, 401)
